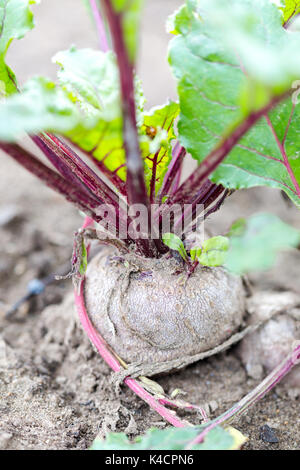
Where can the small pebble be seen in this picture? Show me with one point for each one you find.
(5, 437)
(9, 214)
(213, 405)
(268, 434)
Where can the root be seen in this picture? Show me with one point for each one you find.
(153, 394)
(135, 370)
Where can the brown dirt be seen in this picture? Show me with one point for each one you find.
(55, 392)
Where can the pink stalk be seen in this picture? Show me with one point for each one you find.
(158, 404)
(184, 405)
(254, 396)
(104, 46)
(114, 364)
(112, 361)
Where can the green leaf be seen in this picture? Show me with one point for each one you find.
(16, 19)
(84, 260)
(156, 147)
(130, 13)
(237, 228)
(114, 441)
(86, 108)
(40, 106)
(258, 241)
(290, 9)
(195, 253)
(174, 243)
(91, 79)
(216, 439)
(168, 439)
(230, 58)
(213, 251)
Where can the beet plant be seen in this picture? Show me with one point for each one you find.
(161, 294)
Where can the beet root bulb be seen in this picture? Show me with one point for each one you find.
(150, 312)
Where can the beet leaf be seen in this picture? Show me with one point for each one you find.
(158, 130)
(230, 59)
(290, 9)
(173, 439)
(256, 242)
(16, 19)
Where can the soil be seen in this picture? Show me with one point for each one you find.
(55, 391)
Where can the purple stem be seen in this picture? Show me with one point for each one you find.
(255, 395)
(54, 155)
(173, 171)
(104, 46)
(99, 188)
(176, 183)
(218, 204)
(111, 176)
(136, 188)
(200, 197)
(52, 179)
(153, 178)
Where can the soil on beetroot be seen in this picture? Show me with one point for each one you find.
(55, 391)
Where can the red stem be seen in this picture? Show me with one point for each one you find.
(179, 153)
(111, 176)
(113, 362)
(84, 172)
(153, 179)
(136, 188)
(54, 155)
(52, 179)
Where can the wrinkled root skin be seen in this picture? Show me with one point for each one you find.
(264, 349)
(148, 312)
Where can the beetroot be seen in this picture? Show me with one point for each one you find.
(148, 312)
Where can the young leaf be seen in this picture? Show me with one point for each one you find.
(158, 131)
(40, 106)
(84, 260)
(92, 80)
(174, 243)
(290, 9)
(230, 58)
(195, 253)
(87, 110)
(213, 252)
(257, 242)
(16, 19)
(171, 439)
